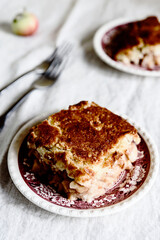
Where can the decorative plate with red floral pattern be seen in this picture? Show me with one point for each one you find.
(130, 186)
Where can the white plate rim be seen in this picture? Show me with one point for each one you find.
(97, 39)
(19, 182)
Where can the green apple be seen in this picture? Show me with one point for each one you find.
(25, 24)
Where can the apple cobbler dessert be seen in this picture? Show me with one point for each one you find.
(137, 43)
(83, 150)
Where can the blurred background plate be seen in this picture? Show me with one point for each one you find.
(97, 44)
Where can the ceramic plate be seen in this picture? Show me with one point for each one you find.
(130, 187)
(105, 30)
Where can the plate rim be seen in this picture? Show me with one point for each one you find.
(13, 167)
(108, 60)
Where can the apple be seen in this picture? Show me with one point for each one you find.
(24, 24)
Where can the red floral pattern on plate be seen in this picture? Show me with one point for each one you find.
(128, 183)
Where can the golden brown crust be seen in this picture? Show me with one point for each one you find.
(149, 30)
(88, 130)
(82, 150)
(131, 34)
(47, 134)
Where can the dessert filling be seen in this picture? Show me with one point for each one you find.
(82, 151)
(135, 43)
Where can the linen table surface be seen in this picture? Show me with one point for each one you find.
(85, 77)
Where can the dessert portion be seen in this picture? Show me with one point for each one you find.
(137, 43)
(83, 150)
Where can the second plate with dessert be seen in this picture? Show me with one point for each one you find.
(130, 45)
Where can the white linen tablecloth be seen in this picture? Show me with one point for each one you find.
(85, 77)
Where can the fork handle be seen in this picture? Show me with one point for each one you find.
(13, 107)
(16, 79)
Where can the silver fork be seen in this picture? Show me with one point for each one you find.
(39, 69)
(59, 58)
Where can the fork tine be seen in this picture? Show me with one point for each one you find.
(52, 56)
(64, 49)
(56, 70)
(58, 61)
(66, 46)
(53, 67)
